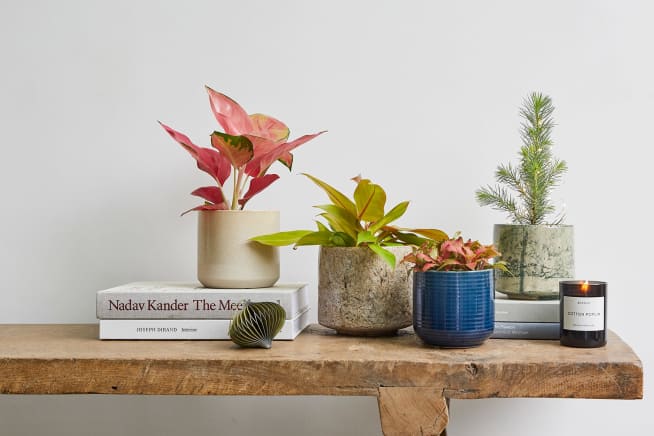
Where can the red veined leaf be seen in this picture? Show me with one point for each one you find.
(209, 161)
(260, 164)
(210, 193)
(229, 114)
(221, 206)
(257, 185)
(268, 127)
(237, 149)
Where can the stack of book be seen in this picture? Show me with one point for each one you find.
(158, 310)
(526, 319)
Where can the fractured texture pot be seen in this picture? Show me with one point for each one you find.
(359, 294)
(539, 256)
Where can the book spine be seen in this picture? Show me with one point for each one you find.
(186, 329)
(190, 305)
(526, 312)
(526, 330)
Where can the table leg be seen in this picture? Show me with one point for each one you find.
(412, 411)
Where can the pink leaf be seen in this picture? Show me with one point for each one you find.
(257, 185)
(209, 161)
(221, 206)
(260, 164)
(237, 149)
(268, 127)
(210, 193)
(229, 114)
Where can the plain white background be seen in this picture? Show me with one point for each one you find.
(420, 96)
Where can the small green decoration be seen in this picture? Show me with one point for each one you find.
(257, 324)
(536, 175)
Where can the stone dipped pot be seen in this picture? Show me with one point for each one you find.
(361, 295)
(226, 256)
(539, 256)
(453, 309)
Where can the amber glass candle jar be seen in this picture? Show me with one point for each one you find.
(583, 313)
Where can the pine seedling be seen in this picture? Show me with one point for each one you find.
(523, 191)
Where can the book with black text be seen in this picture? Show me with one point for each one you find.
(187, 329)
(176, 300)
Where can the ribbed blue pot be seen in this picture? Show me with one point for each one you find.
(453, 309)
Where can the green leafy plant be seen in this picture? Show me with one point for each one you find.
(537, 173)
(454, 255)
(358, 222)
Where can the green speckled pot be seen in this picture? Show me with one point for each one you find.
(538, 256)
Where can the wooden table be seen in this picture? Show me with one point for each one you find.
(410, 380)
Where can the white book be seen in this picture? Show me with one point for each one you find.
(177, 300)
(508, 310)
(187, 329)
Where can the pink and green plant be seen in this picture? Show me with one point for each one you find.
(357, 222)
(249, 145)
(454, 255)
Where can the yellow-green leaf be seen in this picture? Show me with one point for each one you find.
(281, 238)
(386, 255)
(341, 220)
(370, 200)
(316, 238)
(337, 197)
(391, 216)
(366, 238)
(433, 234)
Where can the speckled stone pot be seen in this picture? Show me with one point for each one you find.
(360, 295)
(538, 256)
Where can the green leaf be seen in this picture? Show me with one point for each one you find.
(338, 198)
(370, 201)
(340, 239)
(391, 216)
(281, 238)
(410, 238)
(322, 227)
(366, 237)
(340, 219)
(433, 234)
(316, 238)
(386, 255)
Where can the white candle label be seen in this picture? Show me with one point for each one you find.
(583, 313)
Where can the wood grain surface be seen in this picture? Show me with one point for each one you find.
(58, 359)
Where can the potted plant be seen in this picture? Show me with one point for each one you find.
(453, 292)
(538, 250)
(246, 149)
(362, 288)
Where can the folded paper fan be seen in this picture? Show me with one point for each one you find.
(257, 324)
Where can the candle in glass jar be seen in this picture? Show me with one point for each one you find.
(583, 313)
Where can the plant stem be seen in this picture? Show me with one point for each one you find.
(236, 193)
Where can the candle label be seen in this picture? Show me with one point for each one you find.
(583, 313)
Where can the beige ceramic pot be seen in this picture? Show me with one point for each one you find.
(226, 256)
(359, 294)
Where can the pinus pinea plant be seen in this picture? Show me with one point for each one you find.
(523, 191)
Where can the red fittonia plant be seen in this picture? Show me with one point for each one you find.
(454, 255)
(250, 144)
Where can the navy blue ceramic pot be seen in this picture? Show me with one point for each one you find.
(453, 309)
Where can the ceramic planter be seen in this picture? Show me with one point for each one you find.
(359, 294)
(226, 256)
(453, 309)
(538, 256)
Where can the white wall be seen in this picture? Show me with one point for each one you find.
(420, 96)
